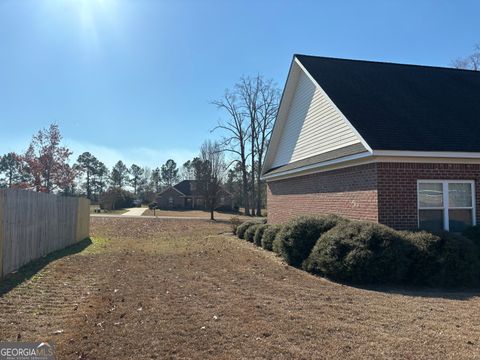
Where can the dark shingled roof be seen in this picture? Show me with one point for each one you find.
(403, 107)
(185, 187)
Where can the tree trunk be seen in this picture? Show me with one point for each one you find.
(253, 171)
(89, 191)
(259, 189)
(245, 187)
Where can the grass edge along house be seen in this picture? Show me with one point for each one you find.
(390, 143)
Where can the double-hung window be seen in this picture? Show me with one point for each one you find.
(446, 204)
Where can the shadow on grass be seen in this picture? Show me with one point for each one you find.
(29, 270)
(425, 292)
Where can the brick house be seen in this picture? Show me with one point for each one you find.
(390, 143)
(188, 195)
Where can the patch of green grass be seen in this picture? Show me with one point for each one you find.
(97, 245)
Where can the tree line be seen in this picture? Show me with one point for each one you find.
(233, 161)
(45, 167)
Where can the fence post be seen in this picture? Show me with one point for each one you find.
(2, 207)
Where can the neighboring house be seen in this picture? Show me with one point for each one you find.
(188, 194)
(391, 143)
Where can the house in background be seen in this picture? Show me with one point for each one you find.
(188, 195)
(390, 143)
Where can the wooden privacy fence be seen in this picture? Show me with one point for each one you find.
(34, 224)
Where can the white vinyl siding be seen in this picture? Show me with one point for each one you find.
(313, 125)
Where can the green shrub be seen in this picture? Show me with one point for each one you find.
(257, 238)
(362, 253)
(153, 205)
(250, 232)
(297, 238)
(234, 223)
(369, 253)
(115, 198)
(473, 233)
(269, 235)
(458, 260)
(424, 257)
(442, 260)
(243, 227)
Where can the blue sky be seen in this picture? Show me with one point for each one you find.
(132, 80)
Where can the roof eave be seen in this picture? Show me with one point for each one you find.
(427, 154)
(379, 156)
(317, 166)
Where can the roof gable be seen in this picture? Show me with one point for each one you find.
(170, 189)
(192, 188)
(308, 123)
(403, 107)
(188, 187)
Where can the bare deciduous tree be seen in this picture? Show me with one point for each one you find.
(267, 112)
(260, 99)
(210, 170)
(252, 108)
(471, 62)
(236, 138)
(248, 90)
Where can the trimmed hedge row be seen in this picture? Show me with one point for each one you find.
(361, 252)
(250, 232)
(269, 236)
(297, 238)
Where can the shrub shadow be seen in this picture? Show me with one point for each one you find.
(26, 272)
(424, 292)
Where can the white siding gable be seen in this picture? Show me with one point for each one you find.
(313, 125)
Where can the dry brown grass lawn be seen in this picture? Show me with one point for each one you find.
(169, 289)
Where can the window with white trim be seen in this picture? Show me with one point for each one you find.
(446, 204)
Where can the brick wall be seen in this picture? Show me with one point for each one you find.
(163, 199)
(397, 188)
(351, 192)
(383, 192)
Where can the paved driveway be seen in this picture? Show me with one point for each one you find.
(136, 211)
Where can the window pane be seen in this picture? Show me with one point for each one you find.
(431, 220)
(459, 195)
(459, 219)
(430, 194)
